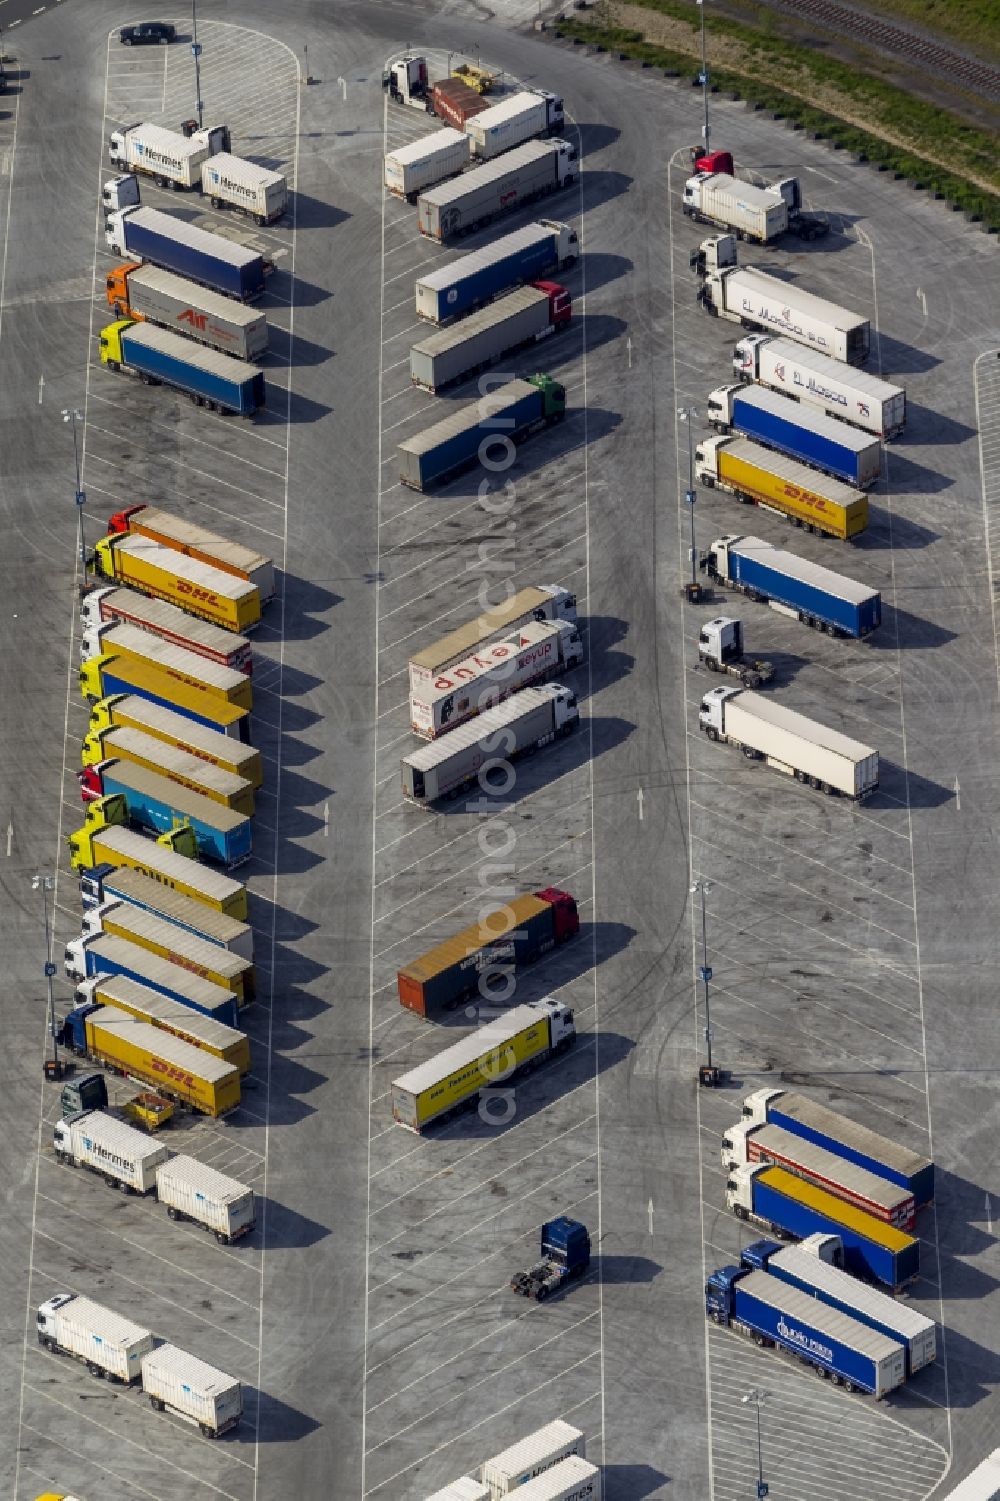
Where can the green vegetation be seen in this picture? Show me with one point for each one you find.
(927, 128)
(976, 23)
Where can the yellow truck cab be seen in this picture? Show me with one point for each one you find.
(109, 812)
(111, 343)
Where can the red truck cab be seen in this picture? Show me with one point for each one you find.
(565, 916)
(118, 524)
(560, 302)
(715, 161)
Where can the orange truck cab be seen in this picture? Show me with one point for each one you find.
(116, 288)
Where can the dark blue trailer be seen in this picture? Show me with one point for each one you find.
(149, 234)
(772, 1313)
(160, 357)
(477, 431)
(106, 954)
(818, 596)
(477, 278)
(793, 429)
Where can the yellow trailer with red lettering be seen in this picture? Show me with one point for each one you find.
(804, 496)
(224, 598)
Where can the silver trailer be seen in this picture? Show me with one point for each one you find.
(756, 299)
(191, 1190)
(522, 317)
(169, 301)
(817, 380)
(231, 182)
(512, 121)
(476, 198)
(420, 164)
(765, 730)
(174, 1380)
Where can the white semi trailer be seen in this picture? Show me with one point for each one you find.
(767, 731)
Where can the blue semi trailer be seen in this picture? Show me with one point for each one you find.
(772, 1313)
(793, 429)
(148, 234)
(477, 278)
(818, 1123)
(478, 431)
(793, 1207)
(107, 954)
(821, 598)
(161, 358)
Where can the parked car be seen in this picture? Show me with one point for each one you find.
(157, 32)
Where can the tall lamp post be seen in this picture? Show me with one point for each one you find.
(73, 416)
(196, 54)
(708, 1073)
(757, 1398)
(45, 884)
(704, 74)
(689, 417)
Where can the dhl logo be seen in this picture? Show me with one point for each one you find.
(204, 595)
(805, 497)
(169, 1072)
(189, 965)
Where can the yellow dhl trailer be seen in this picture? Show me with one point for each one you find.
(184, 535)
(129, 643)
(114, 846)
(180, 766)
(218, 748)
(224, 598)
(762, 477)
(174, 1068)
(102, 677)
(121, 993)
(199, 956)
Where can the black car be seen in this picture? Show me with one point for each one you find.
(159, 32)
(811, 226)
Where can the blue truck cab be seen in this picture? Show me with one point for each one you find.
(565, 1256)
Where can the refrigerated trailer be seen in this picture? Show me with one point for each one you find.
(758, 299)
(820, 381)
(767, 731)
(533, 654)
(520, 117)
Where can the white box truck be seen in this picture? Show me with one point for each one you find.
(536, 602)
(572, 1479)
(532, 1456)
(810, 752)
(532, 654)
(533, 112)
(752, 213)
(420, 164)
(178, 1382)
(756, 299)
(172, 159)
(524, 722)
(109, 1345)
(190, 1190)
(817, 380)
(231, 182)
(119, 1154)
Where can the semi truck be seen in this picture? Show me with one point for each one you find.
(753, 213)
(113, 846)
(523, 723)
(158, 357)
(838, 1133)
(110, 883)
(232, 182)
(518, 933)
(124, 1157)
(121, 641)
(758, 476)
(536, 602)
(185, 536)
(477, 278)
(533, 654)
(776, 1315)
(406, 81)
(170, 158)
(134, 711)
(817, 380)
(147, 930)
(109, 605)
(465, 1073)
(531, 1456)
(758, 299)
(190, 1190)
(572, 1479)
(802, 433)
(789, 1206)
(808, 1268)
(182, 1073)
(169, 761)
(420, 164)
(109, 677)
(747, 1142)
(564, 1255)
(156, 803)
(510, 414)
(227, 599)
(108, 954)
(523, 317)
(768, 731)
(720, 648)
(520, 118)
(479, 196)
(107, 1344)
(149, 293)
(177, 1382)
(120, 192)
(118, 993)
(148, 234)
(793, 586)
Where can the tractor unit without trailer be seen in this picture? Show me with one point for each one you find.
(766, 730)
(564, 1257)
(525, 722)
(519, 1041)
(488, 951)
(479, 196)
(758, 476)
(818, 1123)
(793, 586)
(477, 278)
(774, 1314)
(815, 1267)
(536, 602)
(801, 432)
(522, 317)
(720, 648)
(788, 1206)
(509, 414)
(819, 381)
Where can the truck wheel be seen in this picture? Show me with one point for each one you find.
(127, 40)
(156, 1404)
(716, 1316)
(161, 182)
(113, 365)
(712, 733)
(223, 1240)
(207, 1431)
(94, 1369)
(124, 1187)
(541, 1294)
(758, 1340)
(741, 1213)
(848, 1385)
(172, 1212)
(834, 1379)
(820, 1372)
